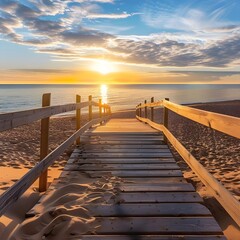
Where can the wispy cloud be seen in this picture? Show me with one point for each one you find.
(186, 16)
(110, 16)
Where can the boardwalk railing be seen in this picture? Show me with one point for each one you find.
(15, 119)
(223, 123)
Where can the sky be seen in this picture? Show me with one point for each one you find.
(120, 41)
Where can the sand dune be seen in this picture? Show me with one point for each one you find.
(60, 214)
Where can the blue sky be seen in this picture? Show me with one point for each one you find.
(146, 35)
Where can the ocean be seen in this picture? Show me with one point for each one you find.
(16, 97)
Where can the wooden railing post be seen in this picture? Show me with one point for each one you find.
(152, 110)
(145, 111)
(78, 117)
(90, 108)
(104, 110)
(165, 119)
(44, 145)
(140, 110)
(100, 107)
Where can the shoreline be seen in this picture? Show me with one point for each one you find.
(216, 151)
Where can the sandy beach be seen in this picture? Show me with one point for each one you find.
(218, 152)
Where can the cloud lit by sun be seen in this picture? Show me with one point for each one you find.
(104, 67)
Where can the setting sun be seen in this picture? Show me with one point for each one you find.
(103, 67)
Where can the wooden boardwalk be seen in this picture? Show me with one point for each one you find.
(143, 193)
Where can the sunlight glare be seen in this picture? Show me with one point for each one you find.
(104, 93)
(103, 67)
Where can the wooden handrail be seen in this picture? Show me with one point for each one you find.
(151, 104)
(224, 123)
(14, 119)
(225, 198)
(16, 190)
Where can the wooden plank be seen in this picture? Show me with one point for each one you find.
(134, 150)
(158, 197)
(126, 134)
(223, 123)
(117, 142)
(144, 210)
(139, 173)
(156, 187)
(122, 146)
(126, 160)
(107, 167)
(157, 225)
(76, 177)
(122, 138)
(154, 180)
(153, 237)
(128, 155)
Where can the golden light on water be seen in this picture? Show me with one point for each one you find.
(104, 93)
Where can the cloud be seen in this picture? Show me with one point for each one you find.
(59, 28)
(186, 16)
(111, 16)
(85, 37)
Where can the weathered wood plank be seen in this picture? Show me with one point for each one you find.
(122, 146)
(117, 142)
(127, 155)
(156, 187)
(134, 134)
(152, 237)
(144, 210)
(157, 225)
(125, 160)
(154, 180)
(120, 138)
(138, 173)
(110, 150)
(107, 167)
(158, 197)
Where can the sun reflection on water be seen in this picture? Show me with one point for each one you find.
(104, 93)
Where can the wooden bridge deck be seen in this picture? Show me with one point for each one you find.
(140, 190)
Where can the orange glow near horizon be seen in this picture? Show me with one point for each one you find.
(116, 77)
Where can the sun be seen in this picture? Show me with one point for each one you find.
(104, 67)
